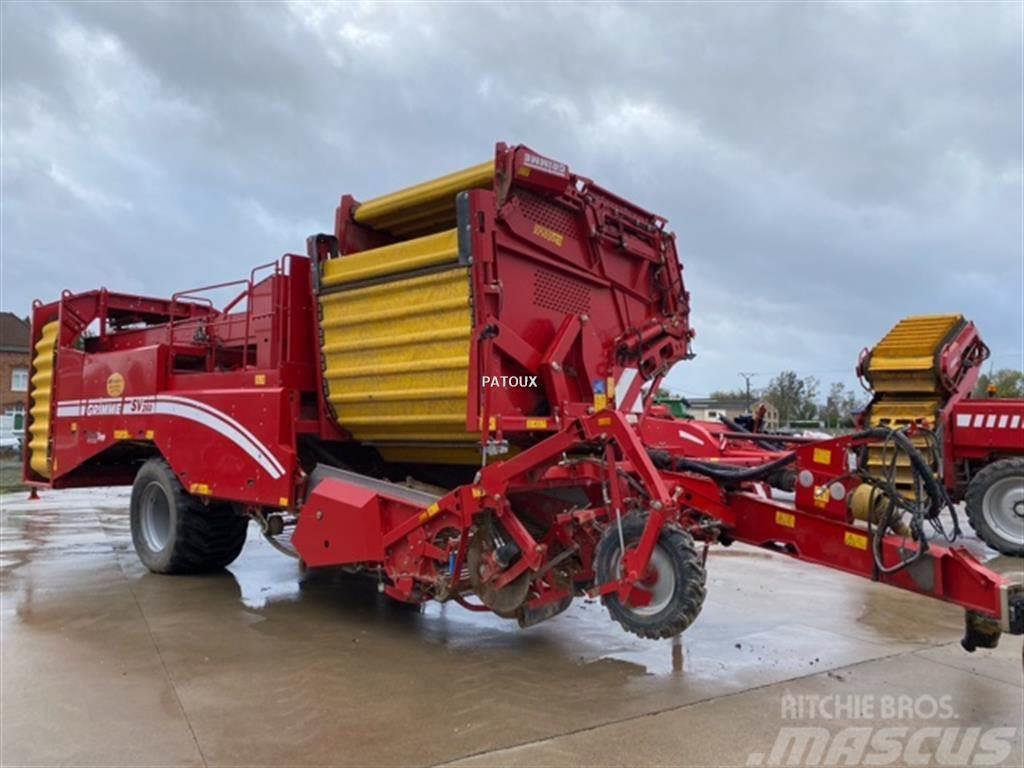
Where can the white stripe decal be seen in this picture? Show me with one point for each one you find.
(262, 457)
(224, 417)
(991, 422)
(622, 387)
(184, 408)
(1015, 421)
(691, 438)
(1002, 421)
(963, 419)
(979, 419)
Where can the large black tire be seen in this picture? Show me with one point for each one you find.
(674, 559)
(174, 532)
(995, 505)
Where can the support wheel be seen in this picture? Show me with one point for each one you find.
(995, 505)
(174, 532)
(675, 581)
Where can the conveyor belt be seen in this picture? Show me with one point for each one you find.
(397, 323)
(39, 412)
(425, 207)
(904, 371)
(396, 351)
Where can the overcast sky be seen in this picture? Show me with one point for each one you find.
(827, 168)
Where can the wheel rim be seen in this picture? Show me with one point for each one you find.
(660, 582)
(156, 517)
(1003, 508)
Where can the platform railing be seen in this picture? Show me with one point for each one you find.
(246, 294)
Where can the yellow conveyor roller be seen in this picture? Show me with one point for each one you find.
(903, 370)
(906, 359)
(397, 324)
(41, 403)
(407, 256)
(423, 207)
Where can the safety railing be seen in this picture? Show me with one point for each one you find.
(277, 304)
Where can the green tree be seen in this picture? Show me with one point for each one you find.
(839, 406)
(793, 397)
(1007, 381)
(730, 394)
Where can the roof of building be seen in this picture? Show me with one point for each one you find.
(728, 403)
(15, 333)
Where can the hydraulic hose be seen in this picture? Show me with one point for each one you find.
(718, 472)
(937, 497)
(721, 473)
(922, 470)
(735, 426)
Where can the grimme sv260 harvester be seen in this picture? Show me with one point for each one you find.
(451, 392)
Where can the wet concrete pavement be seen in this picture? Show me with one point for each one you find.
(107, 664)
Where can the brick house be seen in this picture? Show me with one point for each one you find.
(15, 344)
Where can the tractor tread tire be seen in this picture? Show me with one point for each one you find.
(688, 596)
(204, 538)
(974, 503)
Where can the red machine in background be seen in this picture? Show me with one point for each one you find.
(450, 392)
(922, 374)
(983, 464)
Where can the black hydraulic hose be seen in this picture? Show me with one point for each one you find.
(937, 497)
(771, 445)
(665, 460)
(734, 426)
(922, 470)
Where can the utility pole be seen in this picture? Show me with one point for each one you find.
(748, 377)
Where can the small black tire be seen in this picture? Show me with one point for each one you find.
(675, 556)
(995, 505)
(174, 532)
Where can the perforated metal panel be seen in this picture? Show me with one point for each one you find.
(547, 214)
(562, 294)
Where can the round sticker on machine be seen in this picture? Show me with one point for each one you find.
(115, 385)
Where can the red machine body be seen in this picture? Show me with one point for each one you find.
(977, 433)
(569, 283)
(223, 393)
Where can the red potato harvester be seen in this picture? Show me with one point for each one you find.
(346, 401)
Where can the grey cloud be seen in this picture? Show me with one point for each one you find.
(828, 168)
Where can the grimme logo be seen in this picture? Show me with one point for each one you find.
(881, 739)
(508, 382)
(544, 164)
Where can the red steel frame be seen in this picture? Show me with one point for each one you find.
(227, 396)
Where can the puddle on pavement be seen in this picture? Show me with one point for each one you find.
(752, 594)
